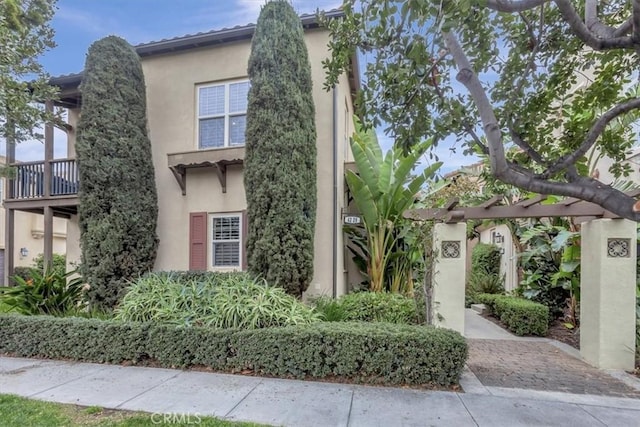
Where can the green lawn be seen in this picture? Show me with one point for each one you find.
(17, 411)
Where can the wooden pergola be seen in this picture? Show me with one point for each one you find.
(533, 207)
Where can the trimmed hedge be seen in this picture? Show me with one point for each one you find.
(368, 307)
(378, 353)
(521, 316)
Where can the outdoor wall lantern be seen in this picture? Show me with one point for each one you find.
(24, 252)
(497, 237)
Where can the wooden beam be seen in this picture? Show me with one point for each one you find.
(532, 201)
(515, 211)
(53, 201)
(221, 171)
(48, 151)
(9, 245)
(451, 203)
(454, 217)
(569, 201)
(492, 201)
(181, 176)
(48, 237)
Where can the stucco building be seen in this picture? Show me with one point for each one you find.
(196, 108)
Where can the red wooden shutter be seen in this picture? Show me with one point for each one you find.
(245, 230)
(198, 241)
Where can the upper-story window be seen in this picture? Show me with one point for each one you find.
(222, 114)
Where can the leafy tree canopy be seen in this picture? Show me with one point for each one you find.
(557, 79)
(25, 34)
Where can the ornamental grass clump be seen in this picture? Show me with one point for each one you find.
(220, 301)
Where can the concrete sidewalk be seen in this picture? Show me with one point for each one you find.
(303, 403)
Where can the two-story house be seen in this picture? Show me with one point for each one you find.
(196, 108)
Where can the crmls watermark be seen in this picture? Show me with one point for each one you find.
(176, 418)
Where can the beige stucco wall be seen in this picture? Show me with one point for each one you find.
(73, 243)
(29, 233)
(171, 102)
(29, 229)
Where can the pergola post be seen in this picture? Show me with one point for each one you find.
(48, 212)
(608, 293)
(449, 275)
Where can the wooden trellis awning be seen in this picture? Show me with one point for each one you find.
(527, 208)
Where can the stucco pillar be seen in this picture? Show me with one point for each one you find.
(608, 293)
(449, 275)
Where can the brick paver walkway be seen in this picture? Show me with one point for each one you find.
(539, 366)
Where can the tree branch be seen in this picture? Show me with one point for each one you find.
(582, 188)
(624, 28)
(595, 34)
(511, 6)
(528, 149)
(467, 77)
(593, 23)
(635, 17)
(592, 136)
(593, 40)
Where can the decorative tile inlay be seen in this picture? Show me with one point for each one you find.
(450, 249)
(618, 248)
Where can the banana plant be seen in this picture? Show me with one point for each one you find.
(383, 188)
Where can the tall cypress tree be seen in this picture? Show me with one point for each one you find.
(118, 203)
(280, 157)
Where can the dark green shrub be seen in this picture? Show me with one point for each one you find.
(371, 353)
(59, 264)
(486, 258)
(481, 282)
(521, 316)
(22, 272)
(118, 204)
(330, 309)
(43, 293)
(488, 300)
(223, 301)
(369, 307)
(280, 153)
(379, 307)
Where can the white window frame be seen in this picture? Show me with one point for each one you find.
(226, 115)
(211, 241)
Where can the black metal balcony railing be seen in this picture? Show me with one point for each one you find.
(29, 182)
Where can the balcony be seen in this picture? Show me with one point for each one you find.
(52, 183)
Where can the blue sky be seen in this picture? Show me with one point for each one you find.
(78, 23)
